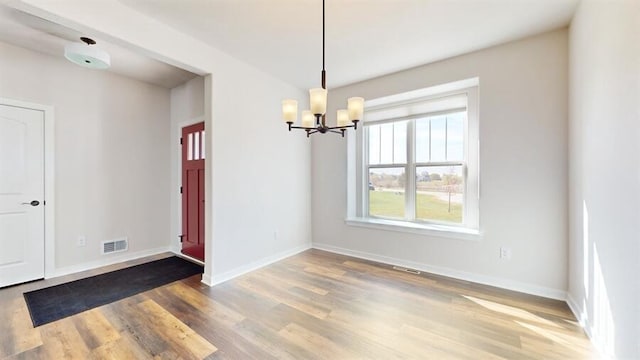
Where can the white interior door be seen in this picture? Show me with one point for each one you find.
(21, 195)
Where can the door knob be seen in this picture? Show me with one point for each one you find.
(32, 203)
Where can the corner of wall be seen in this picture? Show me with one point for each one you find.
(255, 265)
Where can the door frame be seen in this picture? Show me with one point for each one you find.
(176, 245)
(49, 188)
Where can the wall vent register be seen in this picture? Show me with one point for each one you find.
(114, 246)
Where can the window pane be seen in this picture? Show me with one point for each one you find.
(374, 144)
(386, 143)
(440, 193)
(386, 192)
(400, 142)
(422, 140)
(438, 138)
(455, 136)
(196, 146)
(202, 137)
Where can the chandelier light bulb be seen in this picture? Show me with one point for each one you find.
(343, 117)
(318, 101)
(307, 119)
(356, 108)
(289, 110)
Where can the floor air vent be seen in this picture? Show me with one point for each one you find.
(411, 271)
(113, 246)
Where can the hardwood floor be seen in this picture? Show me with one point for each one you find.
(315, 305)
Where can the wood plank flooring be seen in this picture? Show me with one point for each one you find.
(315, 305)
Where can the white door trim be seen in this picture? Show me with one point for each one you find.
(49, 188)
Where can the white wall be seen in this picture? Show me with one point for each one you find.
(111, 153)
(257, 174)
(261, 172)
(605, 173)
(523, 171)
(187, 106)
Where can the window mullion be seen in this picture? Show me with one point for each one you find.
(393, 143)
(410, 174)
(446, 138)
(380, 146)
(365, 174)
(429, 139)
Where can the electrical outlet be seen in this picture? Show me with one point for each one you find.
(82, 241)
(505, 253)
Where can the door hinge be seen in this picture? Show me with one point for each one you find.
(181, 237)
(180, 141)
(180, 189)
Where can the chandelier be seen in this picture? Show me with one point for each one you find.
(318, 106)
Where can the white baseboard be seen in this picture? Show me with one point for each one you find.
(577, 311)
(176, 248)
(106, 261)
(461, 275)
(241, 270)
(581, 314)
(206, 279)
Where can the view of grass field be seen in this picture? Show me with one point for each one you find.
(428, 207)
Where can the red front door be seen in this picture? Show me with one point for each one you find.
(193, 191)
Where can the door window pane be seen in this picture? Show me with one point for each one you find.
(439, 193)
(202, 143)
(196, 146)
(190, 146)
(386, 192)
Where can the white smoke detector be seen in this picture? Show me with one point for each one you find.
(87, 55)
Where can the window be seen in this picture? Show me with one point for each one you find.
(417, 158)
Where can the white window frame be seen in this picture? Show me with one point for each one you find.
(358, 179)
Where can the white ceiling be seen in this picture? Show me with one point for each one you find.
(38, 34)
(365, 38)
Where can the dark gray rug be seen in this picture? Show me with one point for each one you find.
(57, 302)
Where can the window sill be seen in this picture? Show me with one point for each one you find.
(442, 231)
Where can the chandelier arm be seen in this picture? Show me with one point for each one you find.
(311, 131)
(341, 127)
